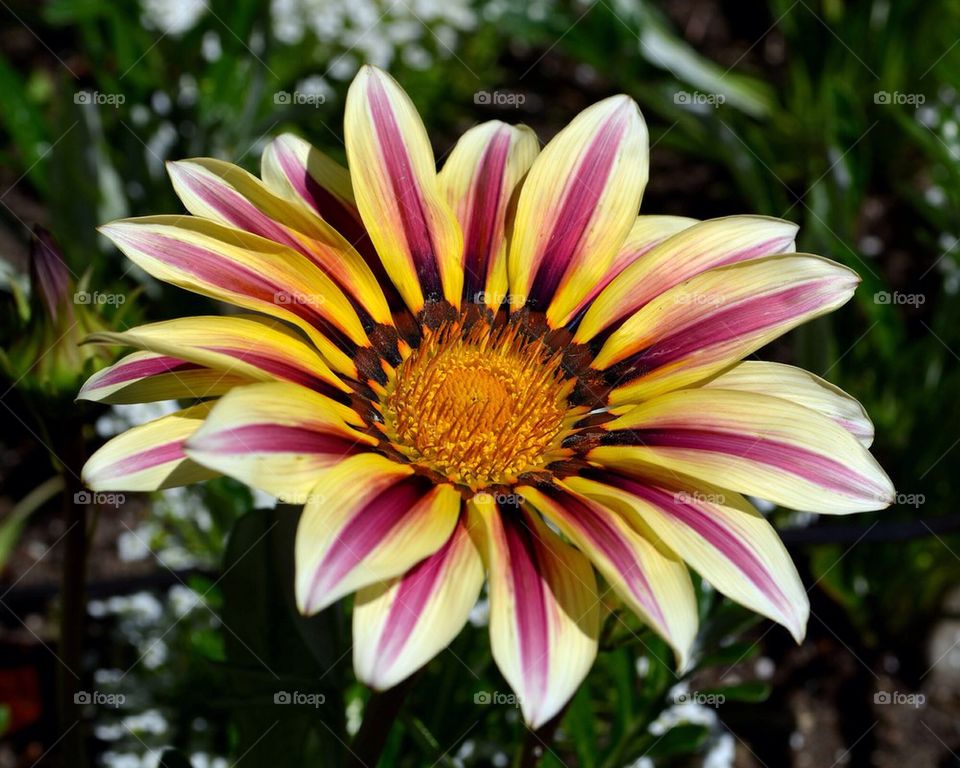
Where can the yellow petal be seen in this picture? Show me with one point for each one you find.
(544, 609)
(277, 437)
(148, 457)
(368, 519)
(400, 624)
(395, 184)
(755, 444)
(479, 180)
(692, 249)
(577, 206)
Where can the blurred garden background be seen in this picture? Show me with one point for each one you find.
(127, 636)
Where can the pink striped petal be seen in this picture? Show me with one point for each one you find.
(368, 519)
(764, 446)
(647, 232)
(395, 183)
(399, 625)
(247, 271)
(577, 206)
(687, 253)
(146, 377)
(298, 171)
(717, 532)
(251, 347)
(148, 457)
(277, 437)
(711, 321)
(544, 610)
(479, 180)
(645, 575)
(227, 194)
(801, 387)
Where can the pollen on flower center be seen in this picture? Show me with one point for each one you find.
(480, 407)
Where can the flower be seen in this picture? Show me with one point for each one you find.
(45, 360)
(498, 372)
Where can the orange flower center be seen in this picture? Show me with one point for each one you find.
(480, 407)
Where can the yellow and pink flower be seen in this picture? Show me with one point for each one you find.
(495, 372)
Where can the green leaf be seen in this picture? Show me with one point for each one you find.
(283, 680)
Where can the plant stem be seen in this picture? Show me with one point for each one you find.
(71, 451)
(378, 718)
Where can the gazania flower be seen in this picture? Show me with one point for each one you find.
(495, 372)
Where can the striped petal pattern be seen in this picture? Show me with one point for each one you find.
(222, 192)
(352, 535)
(395, 183)
(294, 169)
(603, 349)
(255, 348)
(400, 624)
(277, 437)
(479, 180)
(577, 206)
(756, 444)
(715, 319)
(149, 457)
(247, 271)
(146, 377)
(646, 233)
(800, 387)
(647, 577)
(544, 610)
(718, 533)
(655, 267)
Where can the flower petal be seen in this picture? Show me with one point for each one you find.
(146, 377)
(712, 320)
(227, 194)
(368, 519)
(479, 180)
(577, 206)
(255, 348)
(277, 437)
(400, 624)
(148, 457)
(755, 444)
(685, 254)
(801, 387)
(647, 577)
(544, 609)
(718, 533)
(647, 232)
(298, 171)
(395, 183)
(248, 271)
